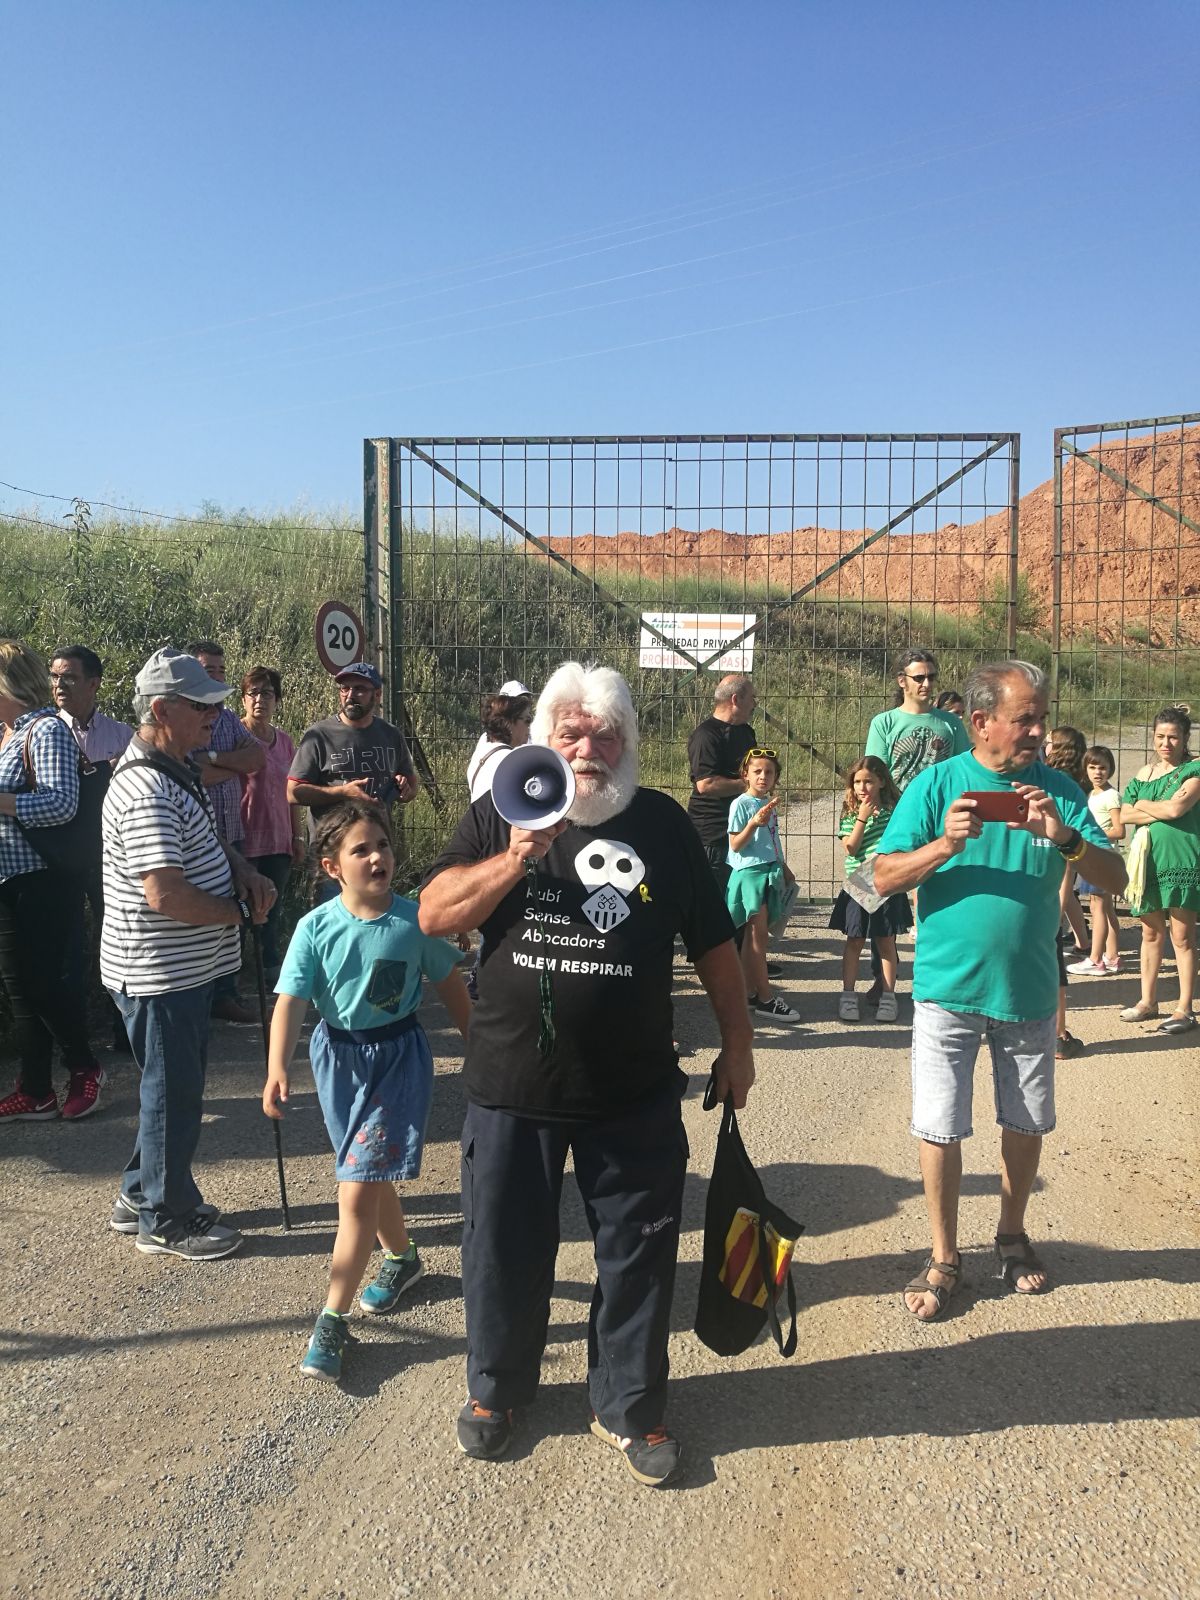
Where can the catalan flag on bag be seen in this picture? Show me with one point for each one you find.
(748, 1245)
(750, 1239)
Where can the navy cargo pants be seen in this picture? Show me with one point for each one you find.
(630, 1172)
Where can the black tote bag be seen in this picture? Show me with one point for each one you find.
(72, 847)
(748, 1243)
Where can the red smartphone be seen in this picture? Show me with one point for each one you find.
(998, 805)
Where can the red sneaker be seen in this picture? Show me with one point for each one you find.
(83, 1094)
(22, 1107)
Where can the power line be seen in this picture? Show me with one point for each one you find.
(168, 516)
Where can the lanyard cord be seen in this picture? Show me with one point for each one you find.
(546, 1030)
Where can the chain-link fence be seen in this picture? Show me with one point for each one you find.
(1125, 577)
(811, 561)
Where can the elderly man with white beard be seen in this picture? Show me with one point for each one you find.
(589, 952)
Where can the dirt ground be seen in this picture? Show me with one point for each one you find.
(159, 1440)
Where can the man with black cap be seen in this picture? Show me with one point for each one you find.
(175, 899)
(354, 754)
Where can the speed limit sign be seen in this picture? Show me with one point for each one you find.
(339, 635)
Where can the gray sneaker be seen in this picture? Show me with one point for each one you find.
(201, 1239)
(125, 1215)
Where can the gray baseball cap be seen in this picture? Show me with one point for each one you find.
(171, 671)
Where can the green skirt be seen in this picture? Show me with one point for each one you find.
(751, 888)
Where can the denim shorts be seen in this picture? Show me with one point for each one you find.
(944, 1047)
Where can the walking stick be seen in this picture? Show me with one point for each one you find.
(256, 940)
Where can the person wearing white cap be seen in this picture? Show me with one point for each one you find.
(175, 900)
(506, 716)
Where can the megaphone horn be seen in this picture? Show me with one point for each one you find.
(533, 787)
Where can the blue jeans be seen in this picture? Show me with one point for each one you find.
(169, 1037)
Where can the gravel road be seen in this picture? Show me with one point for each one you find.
(159, 1440)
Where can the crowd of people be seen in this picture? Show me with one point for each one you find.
(180, 833)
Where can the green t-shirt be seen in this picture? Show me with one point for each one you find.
(909, 741)
(988, 917)
(362, 974)
(873, 831)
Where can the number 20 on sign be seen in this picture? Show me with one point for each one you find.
(339, 636)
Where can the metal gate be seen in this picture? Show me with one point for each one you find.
(1125, 577)
(824, 555)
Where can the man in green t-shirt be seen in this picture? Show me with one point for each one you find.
(915, 734)
(986, 963)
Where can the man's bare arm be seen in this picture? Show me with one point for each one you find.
(718, 786)
(720, 971)
(462, 898)
(902, 870)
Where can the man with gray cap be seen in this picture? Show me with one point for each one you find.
(176, 898)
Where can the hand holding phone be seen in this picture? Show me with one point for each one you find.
(999, 805)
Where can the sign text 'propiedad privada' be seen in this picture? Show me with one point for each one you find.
(702, 634)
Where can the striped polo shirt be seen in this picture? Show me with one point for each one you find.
(151, 822)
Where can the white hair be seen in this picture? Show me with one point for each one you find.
(599, 691)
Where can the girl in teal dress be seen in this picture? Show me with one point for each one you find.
(758, 878)
(1163, 804)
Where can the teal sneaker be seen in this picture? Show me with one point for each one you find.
(323, 1358)
(392, 1280)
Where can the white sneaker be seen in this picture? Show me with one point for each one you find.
(888, 1010)
(1087, 968)
(847, 1006)
(1112, 966)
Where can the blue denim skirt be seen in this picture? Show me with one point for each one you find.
(375, 1086)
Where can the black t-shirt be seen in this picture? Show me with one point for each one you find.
(334, 752)
(716, 750)
(611, 900)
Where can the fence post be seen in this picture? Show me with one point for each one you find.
(1056, 576)
(394, 529)
(1014, 517)
(373, 513)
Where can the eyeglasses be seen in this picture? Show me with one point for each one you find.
(922, 677)
(764, 751)
(196, 705)
(65, 680)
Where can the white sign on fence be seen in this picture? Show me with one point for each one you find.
(701, 634)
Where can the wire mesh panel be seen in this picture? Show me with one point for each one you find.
(811, 561)
(1126, 577)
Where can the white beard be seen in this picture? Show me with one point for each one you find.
(604, 793)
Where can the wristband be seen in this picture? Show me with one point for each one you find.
(1073, 846)
(246, 914)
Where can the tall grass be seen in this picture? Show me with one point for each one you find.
(471, 613)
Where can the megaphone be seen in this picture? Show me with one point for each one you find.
(533, 787)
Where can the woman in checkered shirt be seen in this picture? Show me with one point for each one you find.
(35, 899)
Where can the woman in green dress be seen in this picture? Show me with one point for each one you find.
(1163, 803)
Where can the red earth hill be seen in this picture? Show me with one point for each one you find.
(1131, 570)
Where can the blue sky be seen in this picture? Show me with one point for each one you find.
(241, 237)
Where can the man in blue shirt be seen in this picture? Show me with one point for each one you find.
(986, 963)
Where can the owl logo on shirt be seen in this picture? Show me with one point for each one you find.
(612, 871)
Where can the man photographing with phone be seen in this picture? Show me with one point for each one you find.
(986, 962)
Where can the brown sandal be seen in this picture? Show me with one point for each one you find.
(1018, 1266)
(941, 1292)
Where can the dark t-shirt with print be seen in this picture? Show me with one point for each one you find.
(610, 901)
(333, 752)
(716, 750)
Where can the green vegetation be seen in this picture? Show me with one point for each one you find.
(471, 614)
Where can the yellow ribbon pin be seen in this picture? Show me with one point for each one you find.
(644, 893)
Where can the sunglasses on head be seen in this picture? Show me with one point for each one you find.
(764, 751)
